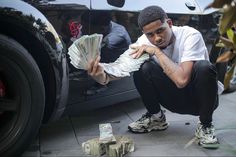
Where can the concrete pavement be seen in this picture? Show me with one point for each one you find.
(64, 137)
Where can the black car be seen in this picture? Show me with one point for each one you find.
(38, 83)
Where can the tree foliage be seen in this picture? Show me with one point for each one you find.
(227, 30)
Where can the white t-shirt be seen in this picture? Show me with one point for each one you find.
(188, 46)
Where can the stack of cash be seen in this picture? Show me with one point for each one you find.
(84, 49)
(107, 143)
(94, 147)
(88, 48)
(106, 135)
(122, 146)
(125, 64)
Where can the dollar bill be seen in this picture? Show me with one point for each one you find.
(84, 49)
(125, 64)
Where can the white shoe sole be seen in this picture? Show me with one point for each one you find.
(210, 145)
(164, 126)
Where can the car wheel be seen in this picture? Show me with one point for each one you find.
(22, 97)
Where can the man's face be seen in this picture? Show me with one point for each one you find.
(158, 33)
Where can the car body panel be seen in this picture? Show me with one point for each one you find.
(165, 4)
(184, 6)
(86, 3)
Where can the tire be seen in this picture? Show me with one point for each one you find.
(22, 105)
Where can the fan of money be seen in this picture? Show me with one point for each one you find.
(84, 49)
(125, 64)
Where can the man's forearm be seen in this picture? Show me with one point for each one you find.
(168, 66)
(180, 74)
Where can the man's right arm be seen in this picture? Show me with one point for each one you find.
(96, 70)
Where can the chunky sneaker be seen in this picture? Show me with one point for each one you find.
(148, 123)
(206, 136)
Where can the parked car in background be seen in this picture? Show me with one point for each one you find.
(38, 83)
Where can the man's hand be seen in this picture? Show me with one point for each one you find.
(139, 50)
(96, 71)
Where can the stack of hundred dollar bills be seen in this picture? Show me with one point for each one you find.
(89, 46)
(84, 49)
(125, 64)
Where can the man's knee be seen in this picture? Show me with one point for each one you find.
(145, 71)
(204, 67)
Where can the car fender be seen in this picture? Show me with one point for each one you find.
(30, 27)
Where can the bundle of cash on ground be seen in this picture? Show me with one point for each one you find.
(88, 47)
(108, 144)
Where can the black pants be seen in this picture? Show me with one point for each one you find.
(199, 97)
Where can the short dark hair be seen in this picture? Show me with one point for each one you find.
(150, 14)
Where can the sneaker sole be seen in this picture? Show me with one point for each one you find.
(209, 146)
(159, 128)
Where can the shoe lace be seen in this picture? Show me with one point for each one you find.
(145, 116)
(209, 131)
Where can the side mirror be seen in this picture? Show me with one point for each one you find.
(116, 3)
(191, 6)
